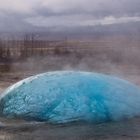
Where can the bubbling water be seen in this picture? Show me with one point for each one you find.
(67, 96)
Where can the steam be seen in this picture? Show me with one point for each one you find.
(120, 59)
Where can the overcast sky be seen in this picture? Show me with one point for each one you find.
(24, 14)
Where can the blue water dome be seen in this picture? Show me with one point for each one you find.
(67, 96)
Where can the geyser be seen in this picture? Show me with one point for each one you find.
(60, 97)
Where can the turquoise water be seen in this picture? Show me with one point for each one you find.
(70, 96)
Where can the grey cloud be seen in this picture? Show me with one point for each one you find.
(24, 14)
(10, 22)
(94, 7)
(78, 20)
